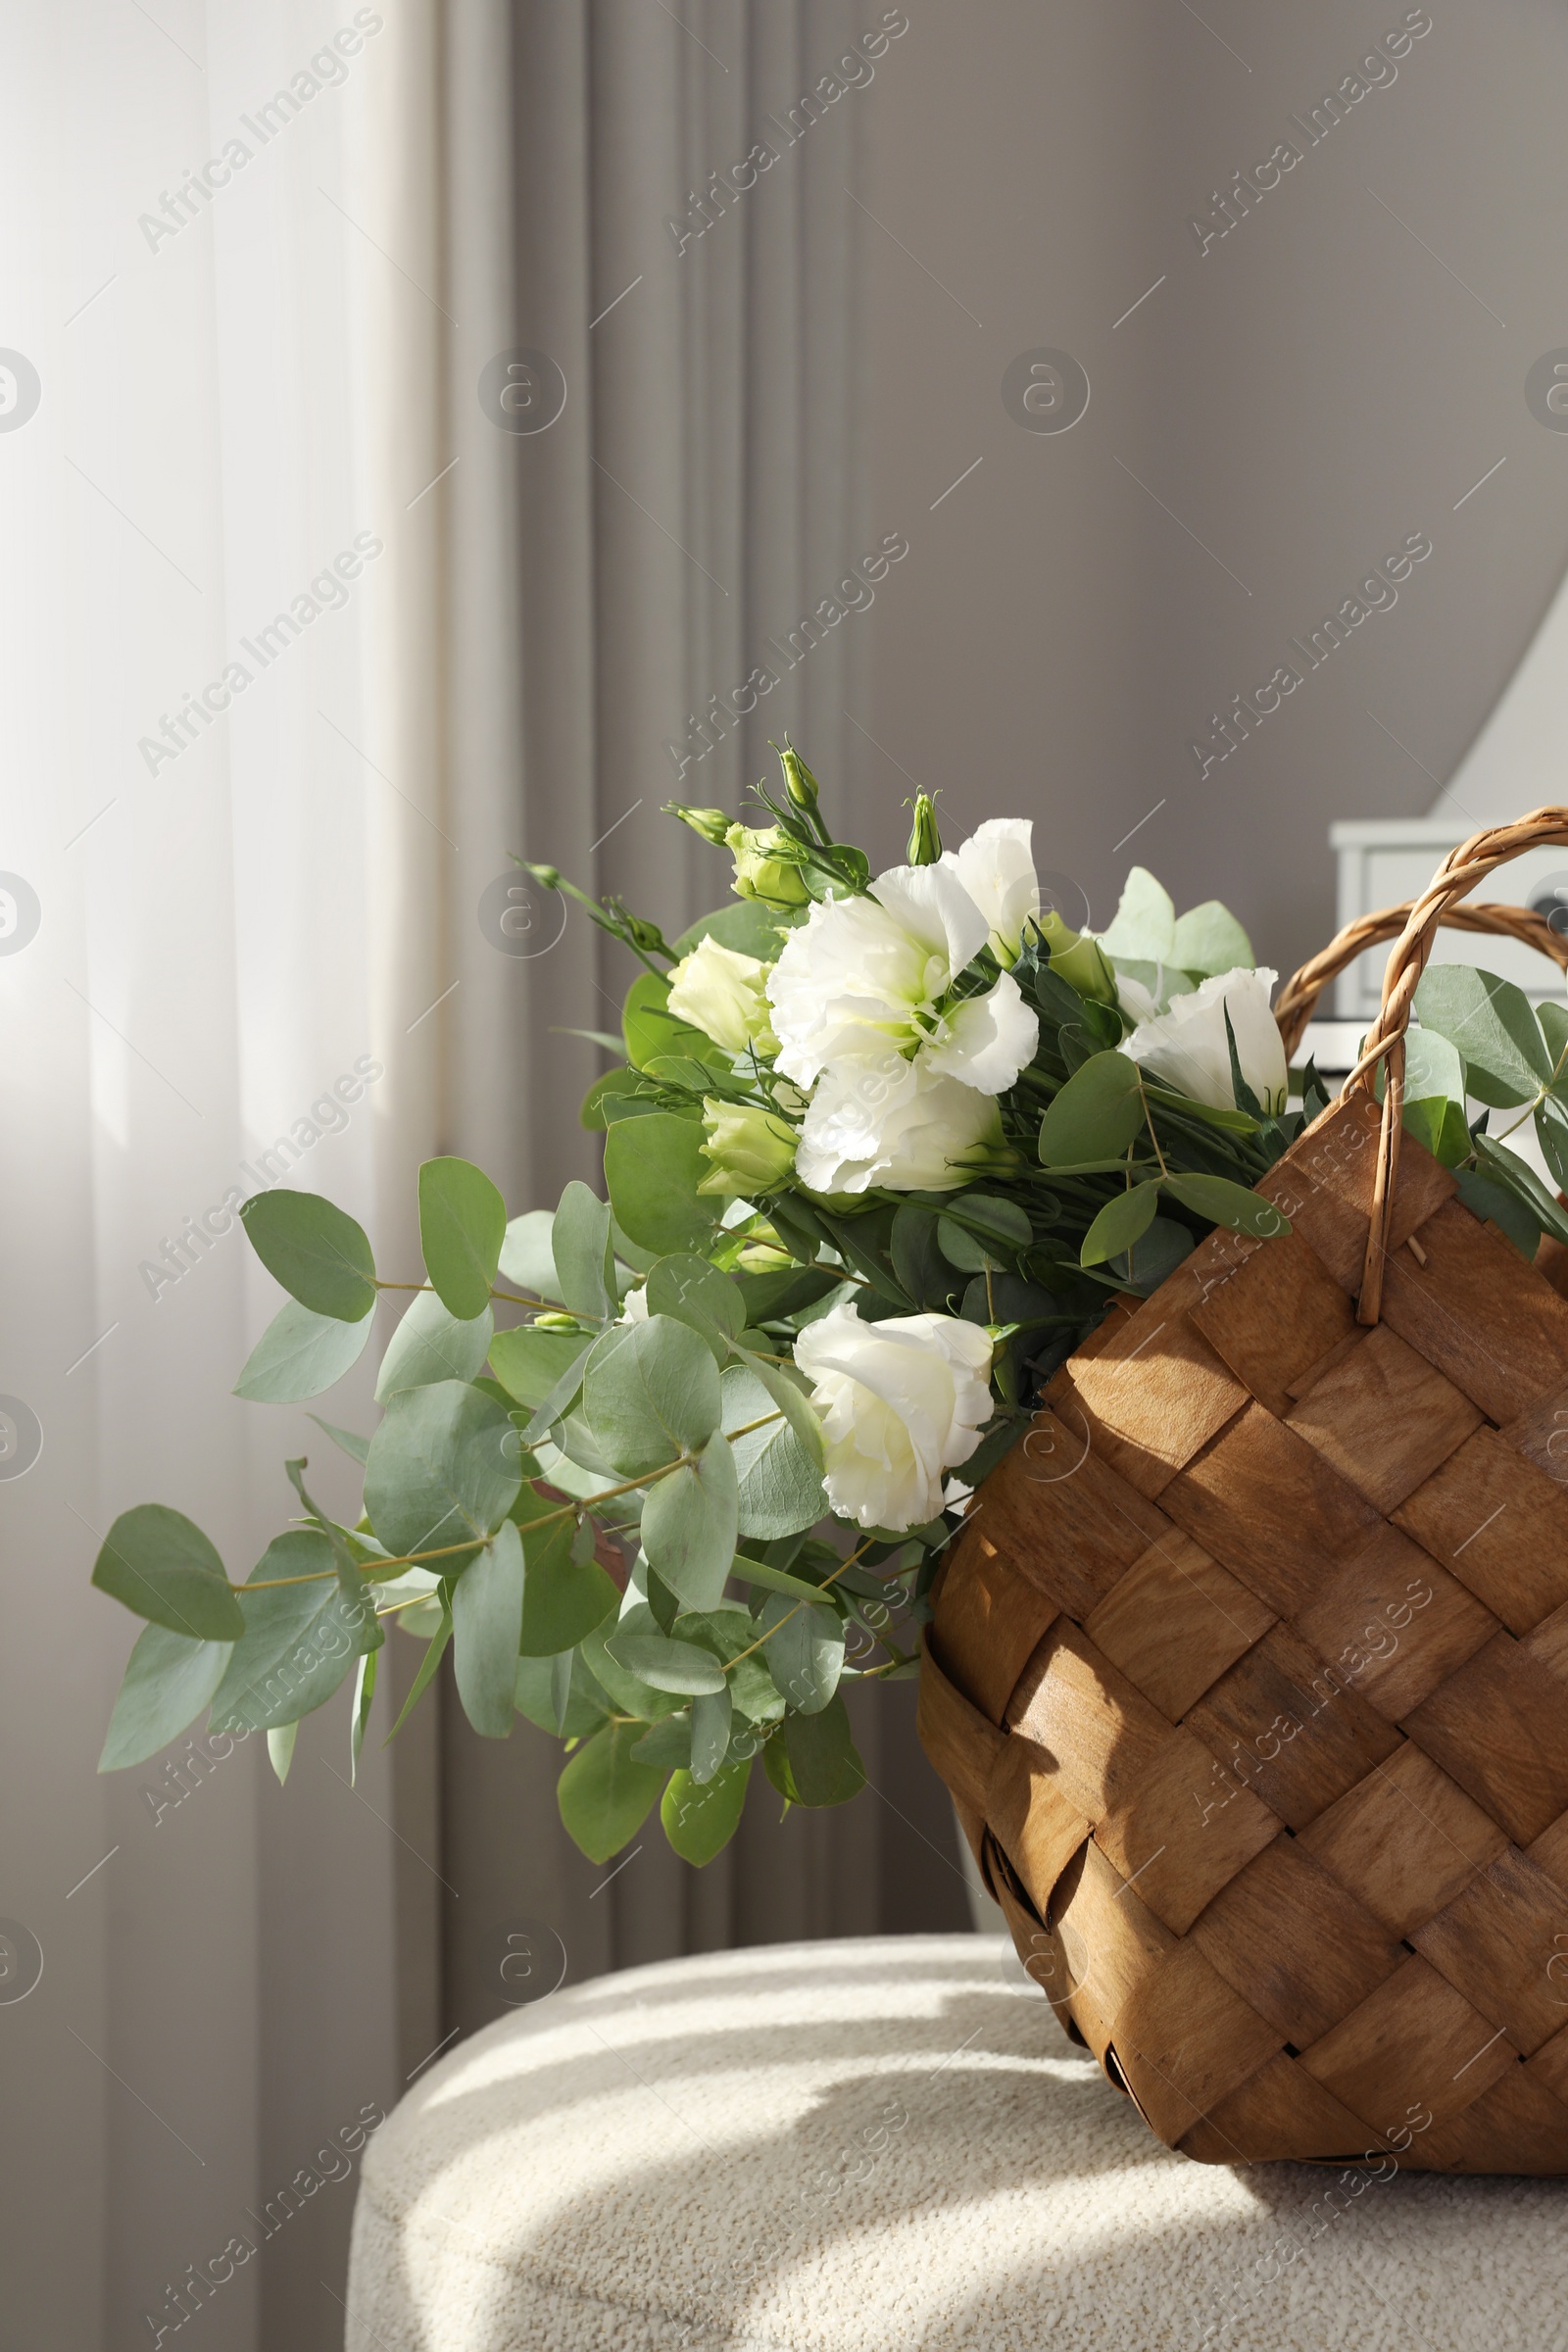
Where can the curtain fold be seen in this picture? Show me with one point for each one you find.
(679, 531)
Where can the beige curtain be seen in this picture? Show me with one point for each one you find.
(606, 577)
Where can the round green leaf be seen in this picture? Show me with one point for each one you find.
(779, 1487)
(528, 1254)
(653, 1167)
(487, 1632)
(444, 1467)
(321, 1256)
(169, 1680)
(666, 1665)
(160, 1566)
(701, 1820)
(563, 1599)
(430, 1343)
(825, 1766)
(463, 1224)
(605, 1794)
(805, 1651)
(1096, 1114)
(529, 1362)
(300, 1353)
(299, 1639)
(689, 1524)
(651, 1392)
(632, 1697)
(694, 1292)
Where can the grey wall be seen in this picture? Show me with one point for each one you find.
(1316, 385)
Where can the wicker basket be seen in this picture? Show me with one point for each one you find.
(1248, 1671)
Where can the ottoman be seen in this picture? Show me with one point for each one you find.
(855, 2146)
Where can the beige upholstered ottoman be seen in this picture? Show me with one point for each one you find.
(886, 2143)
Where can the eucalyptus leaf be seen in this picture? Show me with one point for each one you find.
(1490, 1021)
(1159, 1252)
(430, 1343)
(628, 1690)
(712, 1713)
(527, 1255)
(689, 1524)
(1554, 1019)
(586, 1265)
(605, 1794)
(463, 1224)
(281, 1738)
(443, 1468)
(653, 1168)
(1119, 1224)
(691, 1291)
(667, 1665)
(1552, 1133)
(1144, 923)
(1506, 1168)
(1096, 1114)
(565, 1598)
(1499, 1204)
(1208, 939)
(824, 1765)
(530, 1363)
(162, 1567)
(701, 1818)
(534, 1696)
(487, 1632)
(779, 1483)
(300, 1353)
(651, 1394)
(669, 1744)
(321, 1256)
(364, 1693)
(300, 1638)
(349, 1442)
(169, 1680)
(805, 1651)
(918, 1261)
(1229, 1204)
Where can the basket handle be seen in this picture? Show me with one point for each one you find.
(1458, 874)
(1298, 1000)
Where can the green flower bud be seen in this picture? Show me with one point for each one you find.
(925, 842)
(548, 877)
(799, 781)
(711, 823)
(1081, 960)
(752, 1150)
(765, 867)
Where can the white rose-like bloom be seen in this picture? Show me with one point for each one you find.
(895, 1123)
(863, 976)
(996, 867)
(720, 992)
(901, 1403)
(1187, 1045)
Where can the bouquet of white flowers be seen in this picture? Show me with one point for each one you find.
(880, 1153)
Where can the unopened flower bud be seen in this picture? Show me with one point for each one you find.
(711, 823)
(799, 781)
(925, 842)
(751, 1149)
(765, 866)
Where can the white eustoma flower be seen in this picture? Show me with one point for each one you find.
(721, 992)
(901, 1403)
(865, 976)
(1186, 1046)
(996, 867)
(896, 1123)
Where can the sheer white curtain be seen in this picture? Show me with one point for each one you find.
(222, 789)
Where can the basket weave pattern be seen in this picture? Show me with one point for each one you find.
(1249, 1676)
